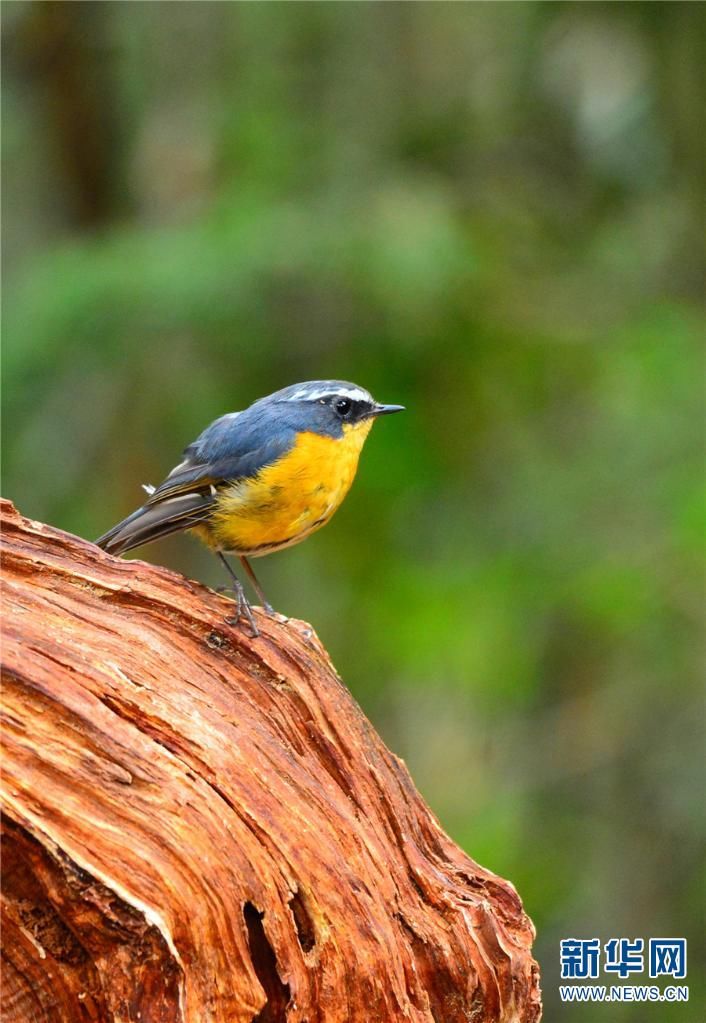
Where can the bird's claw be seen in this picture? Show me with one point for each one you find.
(243, 611)
(266, 607)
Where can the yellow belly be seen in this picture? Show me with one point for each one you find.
(290, 499)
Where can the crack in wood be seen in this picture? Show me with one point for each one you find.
(264, 963)
(306, 932)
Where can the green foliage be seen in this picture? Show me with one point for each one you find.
(486, 212)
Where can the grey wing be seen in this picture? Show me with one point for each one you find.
(157, 519)
(187, 495)
(184, 499)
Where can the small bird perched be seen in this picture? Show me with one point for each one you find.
(260, 480)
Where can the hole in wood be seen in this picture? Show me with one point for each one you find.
(304, 924)
(265, 964)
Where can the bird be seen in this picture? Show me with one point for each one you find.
(259, 480)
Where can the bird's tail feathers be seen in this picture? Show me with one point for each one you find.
(152, 521)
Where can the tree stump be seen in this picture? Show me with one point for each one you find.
(200, 826)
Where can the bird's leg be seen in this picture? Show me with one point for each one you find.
(256, 586)
(243, 609)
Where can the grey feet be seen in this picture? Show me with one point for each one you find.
(242, 600)
(243, 611)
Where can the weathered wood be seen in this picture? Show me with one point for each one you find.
(200, 826)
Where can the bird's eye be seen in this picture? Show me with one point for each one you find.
(343, 407)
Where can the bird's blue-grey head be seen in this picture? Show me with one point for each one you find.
(325, 406)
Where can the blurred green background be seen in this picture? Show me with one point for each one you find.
(489, 212)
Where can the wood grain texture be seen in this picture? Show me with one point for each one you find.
(200, 827)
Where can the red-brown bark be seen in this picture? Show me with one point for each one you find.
(200, 826)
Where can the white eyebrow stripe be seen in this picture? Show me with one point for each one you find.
(354, 393)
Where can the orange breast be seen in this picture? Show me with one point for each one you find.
(291, 498)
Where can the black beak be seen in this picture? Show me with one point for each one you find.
(387, 410)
